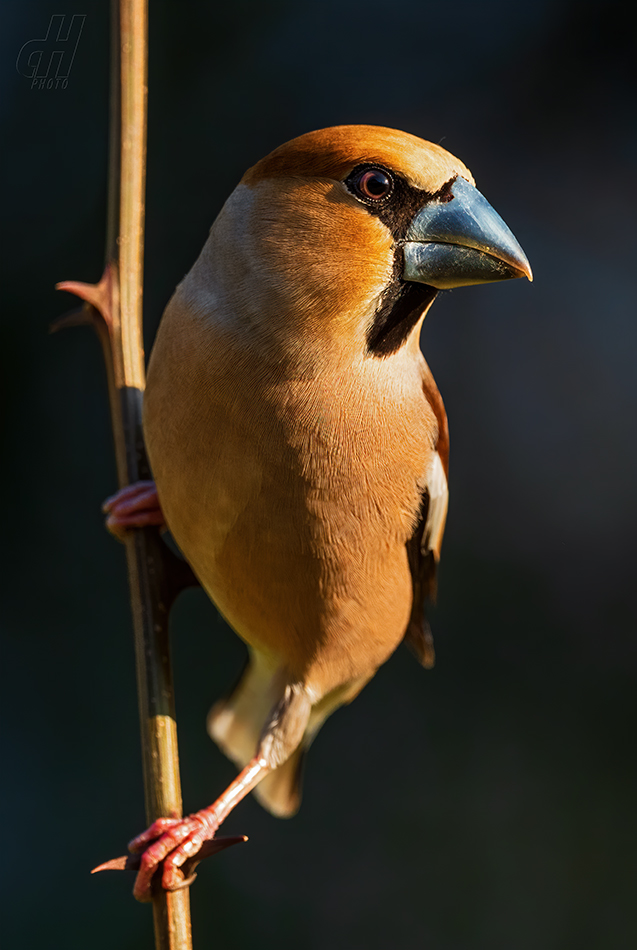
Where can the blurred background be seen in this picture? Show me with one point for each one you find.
(488, 804)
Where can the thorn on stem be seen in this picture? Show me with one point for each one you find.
(99, 296)
(74, 318)
(132, 862)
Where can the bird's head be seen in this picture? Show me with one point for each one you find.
(346, 234)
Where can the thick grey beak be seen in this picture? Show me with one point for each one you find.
(460, 242)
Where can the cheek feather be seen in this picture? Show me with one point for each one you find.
(328, 255)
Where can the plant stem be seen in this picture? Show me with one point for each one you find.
(114, 307)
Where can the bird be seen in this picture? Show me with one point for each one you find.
(298, 442)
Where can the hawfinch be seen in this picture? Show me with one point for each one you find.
(297, 438)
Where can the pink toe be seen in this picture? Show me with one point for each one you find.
(129, 492)
(136, 506)
(154, 831)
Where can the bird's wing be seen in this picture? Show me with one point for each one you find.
(423, 548)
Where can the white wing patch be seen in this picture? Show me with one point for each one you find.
(437, 511)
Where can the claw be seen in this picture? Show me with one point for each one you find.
(132, 862)
(179, 844)
(135, 506)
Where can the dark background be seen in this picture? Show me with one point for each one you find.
(489, 804)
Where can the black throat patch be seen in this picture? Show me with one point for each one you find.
(403, 302)
(398, 312)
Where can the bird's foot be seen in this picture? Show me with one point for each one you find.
(180, 843)
(136, 506)
(177, 843)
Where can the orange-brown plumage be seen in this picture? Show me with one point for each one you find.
(331, 153)
(297, 437)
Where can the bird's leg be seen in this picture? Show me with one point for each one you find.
(135, 506)
(174, 841)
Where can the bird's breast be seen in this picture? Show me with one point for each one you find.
(292, 499)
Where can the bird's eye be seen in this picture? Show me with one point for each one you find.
(372, 184)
